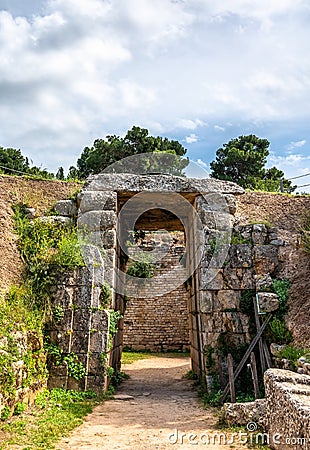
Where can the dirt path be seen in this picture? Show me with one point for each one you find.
(159, 402)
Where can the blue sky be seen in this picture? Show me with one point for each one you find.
(198, 71)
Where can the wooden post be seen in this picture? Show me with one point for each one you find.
(254, 375)
(231, 378)
(260, 342)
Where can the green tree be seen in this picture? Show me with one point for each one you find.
(73, 173)
(60, 175)
(243, 161)
(12, 162)
(106, 152)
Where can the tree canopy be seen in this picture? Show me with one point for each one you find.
(108, 151)
(243, 161)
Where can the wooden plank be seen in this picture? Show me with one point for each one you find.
(267, 354)
(260, 342)
(254, 375)
(231, 378)
(246, 356)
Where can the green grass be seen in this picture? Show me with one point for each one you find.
(56, 413)
(129, 356)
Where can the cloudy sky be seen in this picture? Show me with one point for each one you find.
(200, 71)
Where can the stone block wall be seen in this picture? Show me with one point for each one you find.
(160, 323)
(78, 328)
(247, 262)
(287, 409)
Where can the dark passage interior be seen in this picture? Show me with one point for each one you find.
(157, 319)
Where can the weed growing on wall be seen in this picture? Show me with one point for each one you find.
(142, 268)
(76, 369)
(115, 316)
(46, 249)
(105, 295)
(277, 330)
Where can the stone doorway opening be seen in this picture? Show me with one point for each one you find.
(158, 317)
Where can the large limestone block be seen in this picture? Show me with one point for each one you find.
(259, 234)
(96, 220)
(287, 409)
(129, 182)
(240, 255)
(66, 208)
(244, 413)
(228, 300)
(240, 278)
(97, 201)
(267, 302)
(211, 279)
(265, 259)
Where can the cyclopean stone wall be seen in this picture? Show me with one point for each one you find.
(78, 329)
(251, 261)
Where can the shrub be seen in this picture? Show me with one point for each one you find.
(142, 268)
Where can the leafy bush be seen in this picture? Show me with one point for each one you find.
(293, 353)
(76, 369)
(278, 331)
(16, 317)
(46, 248)
(281, 288)
(115, 316)
(20, 407)
(142, 268)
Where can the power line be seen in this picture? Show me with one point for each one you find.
(303, 185)
(29, 174)
(14, 170)
(299, 176)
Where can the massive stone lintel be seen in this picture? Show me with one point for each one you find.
(159, 183)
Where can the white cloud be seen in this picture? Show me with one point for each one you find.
(201, 163)
(219, 128)
(78, 70)
(296, 144)
(191, 138)
(190, 124)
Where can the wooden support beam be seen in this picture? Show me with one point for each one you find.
(260, 342)
(267, 355)
(246, 356)
(231, 378)
(254, 375)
